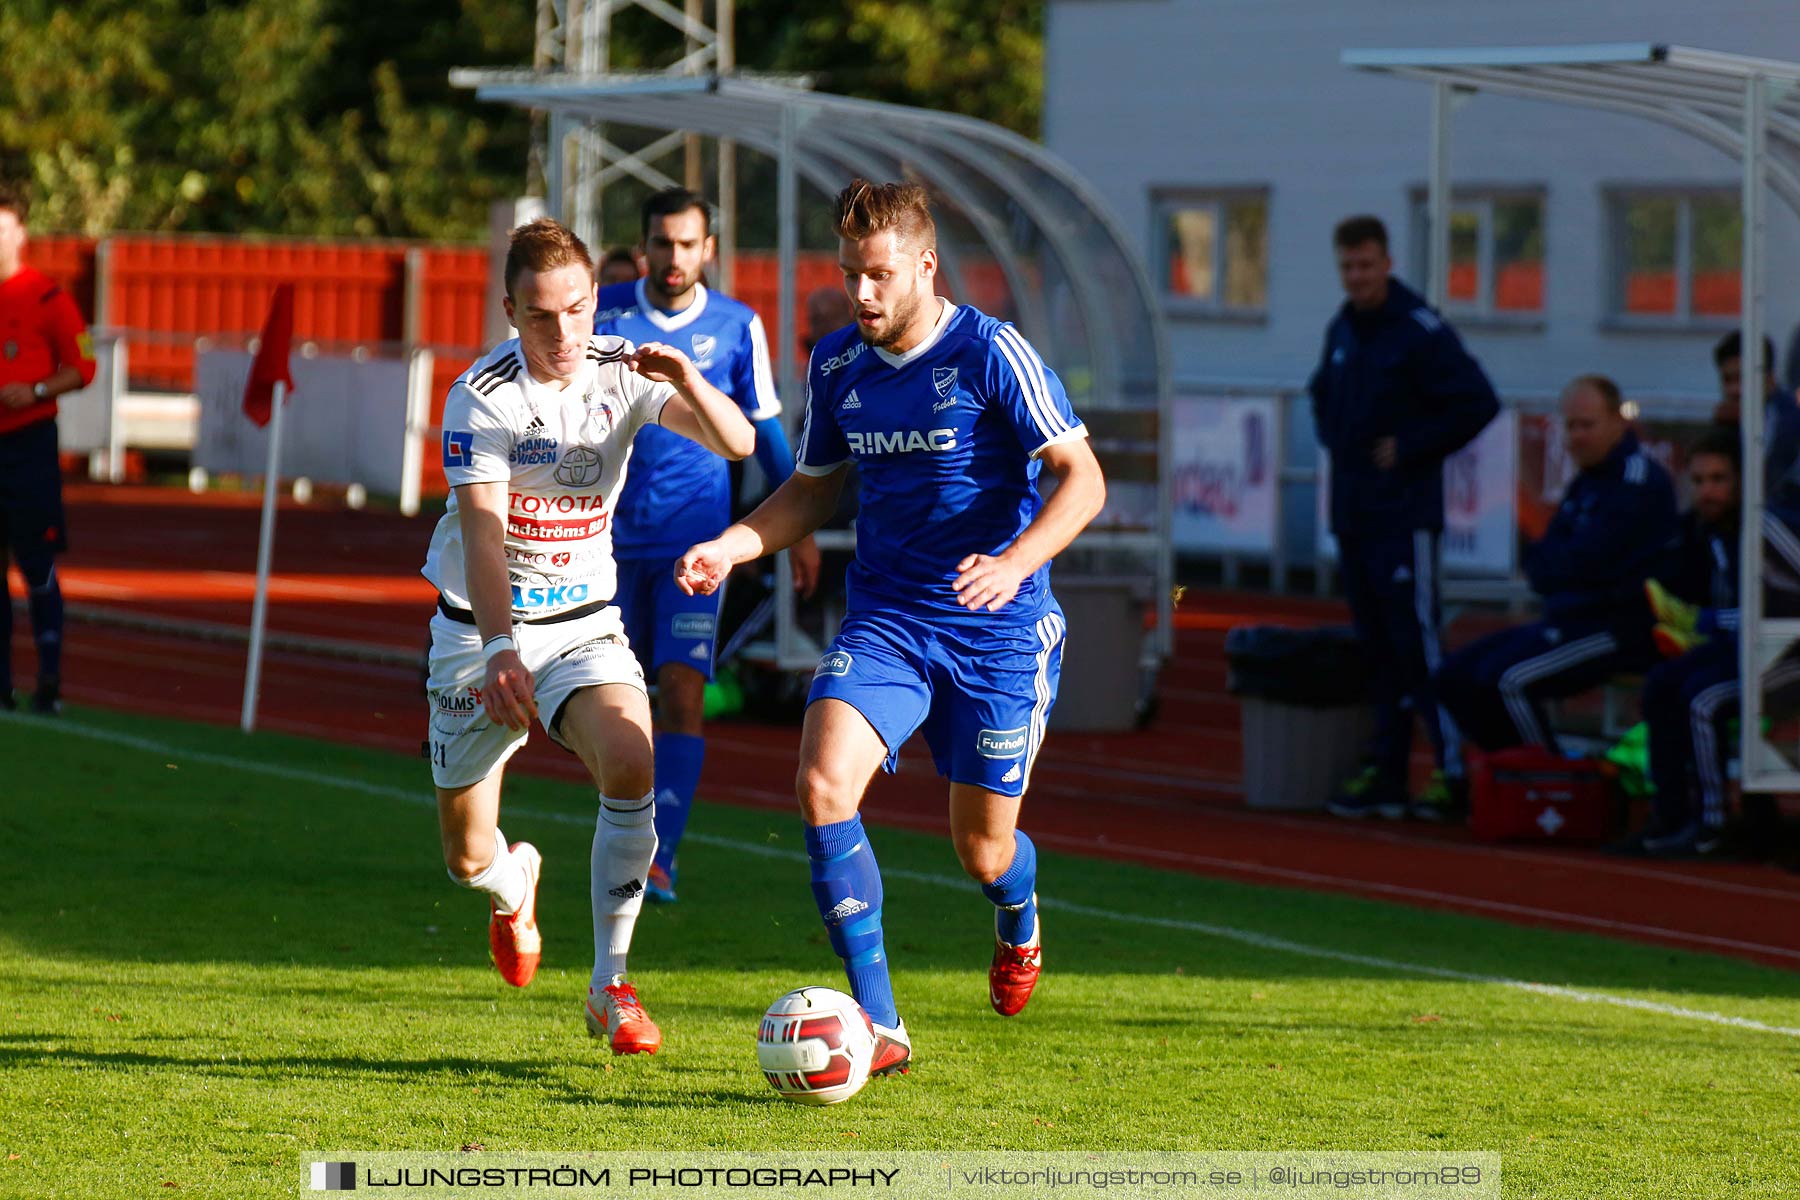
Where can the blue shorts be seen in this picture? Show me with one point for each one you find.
(662, 624)
(981, 694)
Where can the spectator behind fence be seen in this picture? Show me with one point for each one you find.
(1394, 395)
(1781, 418)
(1616, 519)
(619, 265)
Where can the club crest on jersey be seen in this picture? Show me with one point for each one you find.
(12, 350)
(601, 405)
(704, 345)
(943, 379)
(580, 468)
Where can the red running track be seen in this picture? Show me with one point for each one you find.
(1170, 796)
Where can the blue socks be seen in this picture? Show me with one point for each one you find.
(1011, 894)
(679, 757)
(846, 885)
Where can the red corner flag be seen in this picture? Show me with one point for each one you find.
(270, 365)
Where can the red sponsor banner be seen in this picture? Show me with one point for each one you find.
(531, 529)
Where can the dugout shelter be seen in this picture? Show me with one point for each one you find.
(1743, 106)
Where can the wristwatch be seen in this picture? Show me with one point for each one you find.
(41, 390)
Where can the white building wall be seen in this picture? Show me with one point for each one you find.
(1142, 94)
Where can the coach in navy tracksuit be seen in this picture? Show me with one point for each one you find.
(1608, 535)
(1394, 395)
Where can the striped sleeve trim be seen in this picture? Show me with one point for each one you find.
(1028, 368)
(768, 404)
(1067, 435)
(501, 372)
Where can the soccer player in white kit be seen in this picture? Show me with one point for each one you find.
(536, 438)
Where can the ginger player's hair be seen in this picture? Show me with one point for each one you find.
(544, 245)
(865, 208)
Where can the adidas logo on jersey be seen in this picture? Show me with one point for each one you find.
(844, 909)
(1012, 776)
(851, 401)
(627, 891)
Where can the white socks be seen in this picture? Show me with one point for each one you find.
(624, 844)
(504, 878)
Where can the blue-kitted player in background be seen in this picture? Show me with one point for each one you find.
(951, 629)
(677, 494)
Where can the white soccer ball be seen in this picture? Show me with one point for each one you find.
(815, 1046)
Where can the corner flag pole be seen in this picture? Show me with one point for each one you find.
(265, 551)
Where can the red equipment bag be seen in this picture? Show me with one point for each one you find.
(1528, 794)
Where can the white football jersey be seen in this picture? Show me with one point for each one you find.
(562, 454)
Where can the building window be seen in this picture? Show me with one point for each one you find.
(1677, 256)
(1496, 252)
(1213, 251)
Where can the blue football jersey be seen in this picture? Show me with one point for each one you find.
(677, 492)
(946, 439)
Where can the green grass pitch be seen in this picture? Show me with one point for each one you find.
(218, 951)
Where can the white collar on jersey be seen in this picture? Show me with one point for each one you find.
(937, 331)
(670, 322)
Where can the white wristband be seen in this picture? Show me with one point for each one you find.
(497, 645)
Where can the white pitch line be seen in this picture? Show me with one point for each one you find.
(1245, 937)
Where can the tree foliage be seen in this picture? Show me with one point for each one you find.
(336, 117)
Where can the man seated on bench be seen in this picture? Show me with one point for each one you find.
(1615, 520)
(1690, 698)
(1691, 701)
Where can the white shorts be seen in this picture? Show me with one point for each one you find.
(465, 744)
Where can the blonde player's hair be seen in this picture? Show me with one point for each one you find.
(865, 208)
(544, 245)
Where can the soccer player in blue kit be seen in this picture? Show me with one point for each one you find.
(677, 493)
(950, 628)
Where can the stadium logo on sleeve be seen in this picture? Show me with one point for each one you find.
(943, 379)
(835, 663)
(1000, 743)
(459, 448)
(842, 360)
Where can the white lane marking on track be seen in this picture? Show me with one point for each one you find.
(1224, 932)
